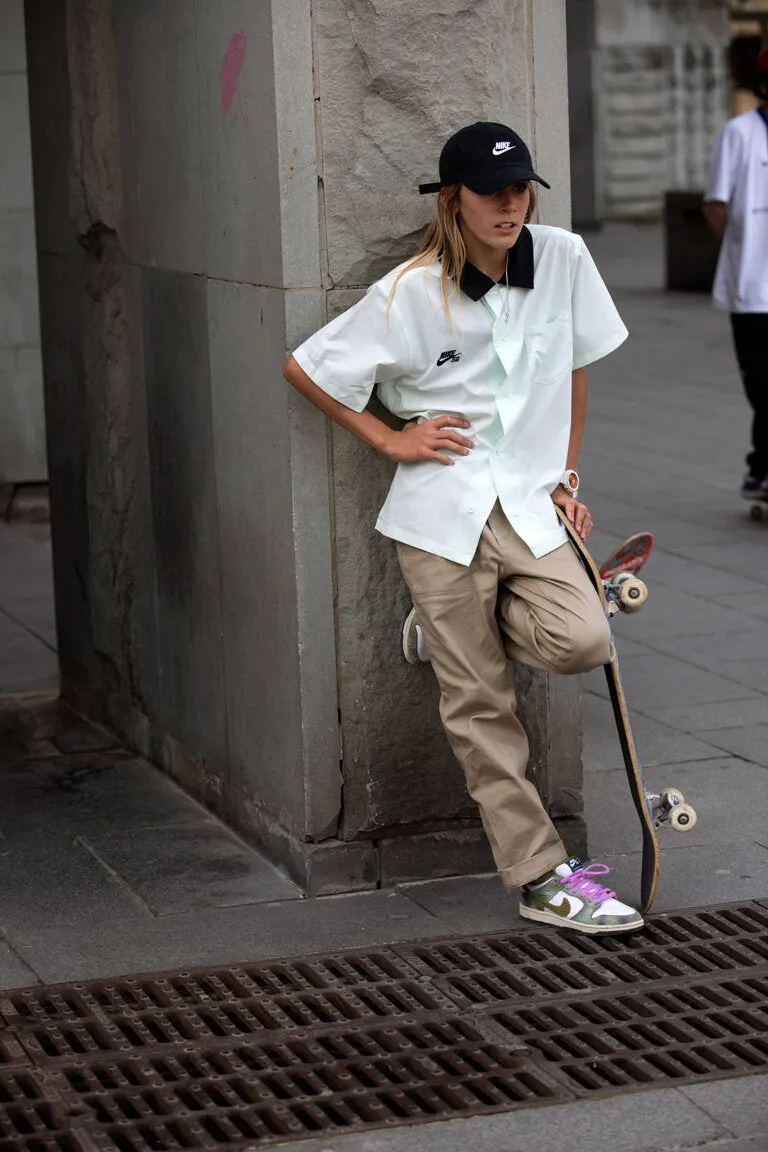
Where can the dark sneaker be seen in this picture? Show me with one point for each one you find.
(754, 487)
(414, 645)
(570, 897)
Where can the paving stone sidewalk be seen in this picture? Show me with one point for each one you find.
(106, 867)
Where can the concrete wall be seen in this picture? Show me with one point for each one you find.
(184, 568)
(662, 88)
(214, 180)
(22, 426)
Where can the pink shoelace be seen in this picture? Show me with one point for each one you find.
(581, 882)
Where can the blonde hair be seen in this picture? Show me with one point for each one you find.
(444, 242)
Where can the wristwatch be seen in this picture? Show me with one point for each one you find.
(570, 481)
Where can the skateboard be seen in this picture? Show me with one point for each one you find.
(653, 808)
(758, 507)
(623, 591)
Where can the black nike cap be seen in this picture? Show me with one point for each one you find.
(485, 158)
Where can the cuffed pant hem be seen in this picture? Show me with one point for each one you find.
(518, 874)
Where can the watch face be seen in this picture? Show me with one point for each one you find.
(573, 480)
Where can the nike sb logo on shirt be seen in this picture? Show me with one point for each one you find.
(451, 354)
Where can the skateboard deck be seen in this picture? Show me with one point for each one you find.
(628, 557)
(648, 812)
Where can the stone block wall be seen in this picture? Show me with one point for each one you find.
(214, 179)
(389, 92)
(22, 424)
(185, 567)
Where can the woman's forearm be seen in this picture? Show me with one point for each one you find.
(364, 425)
(419, 440)
(578, 415)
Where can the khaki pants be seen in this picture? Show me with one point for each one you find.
(506, 605)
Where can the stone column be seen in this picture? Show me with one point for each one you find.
(392, 81)
(22, 424)
(214, 180)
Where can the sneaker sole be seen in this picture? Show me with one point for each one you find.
(556, 921)
(410, 640)
(413, 641)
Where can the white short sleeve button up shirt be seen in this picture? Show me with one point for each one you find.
(738, 176)
(502, 360)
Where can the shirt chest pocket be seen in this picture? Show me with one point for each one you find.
(549, 348)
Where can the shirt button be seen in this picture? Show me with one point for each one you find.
(469, 511)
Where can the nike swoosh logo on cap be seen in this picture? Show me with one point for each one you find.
(506, 147)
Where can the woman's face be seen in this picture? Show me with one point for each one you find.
(494, 220)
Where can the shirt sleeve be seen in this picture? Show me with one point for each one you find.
(723, 164)
(365, 346)
(597, 327)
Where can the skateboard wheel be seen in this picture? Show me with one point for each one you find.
(682, 818)
(756, 512)
(633, 593)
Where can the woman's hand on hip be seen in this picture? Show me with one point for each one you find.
(429, 440)
(578, 514)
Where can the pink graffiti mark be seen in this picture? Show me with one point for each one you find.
(230, 74)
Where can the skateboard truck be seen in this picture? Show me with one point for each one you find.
(669, 807)
(624, 593)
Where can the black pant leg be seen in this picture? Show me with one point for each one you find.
(750, 337)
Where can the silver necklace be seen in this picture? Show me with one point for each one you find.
(505, 309)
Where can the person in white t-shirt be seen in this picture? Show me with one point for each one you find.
(480, 344)
(736, 207)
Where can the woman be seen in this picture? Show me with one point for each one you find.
(480, 344)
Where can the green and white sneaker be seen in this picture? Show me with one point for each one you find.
(570, 897)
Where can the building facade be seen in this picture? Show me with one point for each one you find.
(658, 74)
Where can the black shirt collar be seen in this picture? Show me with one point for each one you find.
(519, 269)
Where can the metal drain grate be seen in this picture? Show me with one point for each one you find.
(420, 1071)
(261, 1053)
(703, 1032)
